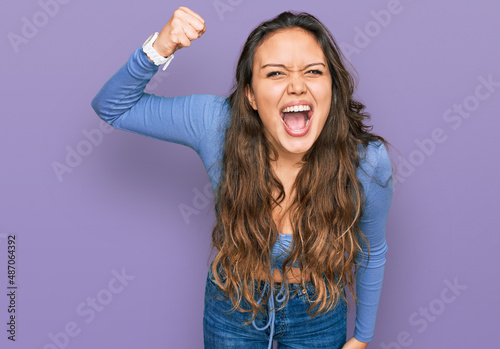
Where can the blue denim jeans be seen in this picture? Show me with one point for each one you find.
(292, 326)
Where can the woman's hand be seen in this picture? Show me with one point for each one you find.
(353, 343)
(184, 27)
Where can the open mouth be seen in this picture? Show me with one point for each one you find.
(297, 120)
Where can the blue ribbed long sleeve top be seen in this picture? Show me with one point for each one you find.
(200, 121)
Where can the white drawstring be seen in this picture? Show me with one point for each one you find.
(271, 307)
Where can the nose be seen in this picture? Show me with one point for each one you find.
(297, 85)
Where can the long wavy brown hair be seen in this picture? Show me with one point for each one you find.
(329, 198)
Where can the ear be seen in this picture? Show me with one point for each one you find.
(251, 97)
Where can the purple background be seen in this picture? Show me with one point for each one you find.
(119, 207)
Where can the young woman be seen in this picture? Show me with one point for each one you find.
(302, 188)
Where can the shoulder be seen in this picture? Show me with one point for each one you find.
(374, 164)
(212, 102)
(216, 105)
(375, 175)
(211, 111)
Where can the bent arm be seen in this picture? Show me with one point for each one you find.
(370, 272)
(122, 103)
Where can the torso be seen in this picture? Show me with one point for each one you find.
(282, 219)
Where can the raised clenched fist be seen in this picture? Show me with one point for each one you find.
(183, 27)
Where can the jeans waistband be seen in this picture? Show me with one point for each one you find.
(292, 288)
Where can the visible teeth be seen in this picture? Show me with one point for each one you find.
(296, 108)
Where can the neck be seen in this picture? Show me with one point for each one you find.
(289, 162)
(286, 169)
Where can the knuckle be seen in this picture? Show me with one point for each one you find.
(176, 21)
(178, 12)
(174, 35)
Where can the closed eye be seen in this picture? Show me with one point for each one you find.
(272, 73)
(319, 72)
(315, 71)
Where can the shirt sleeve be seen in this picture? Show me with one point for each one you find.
(370, 274)
(122, 103)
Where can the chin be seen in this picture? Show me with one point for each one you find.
(298, 150)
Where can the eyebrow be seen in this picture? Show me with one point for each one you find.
(282, 65)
